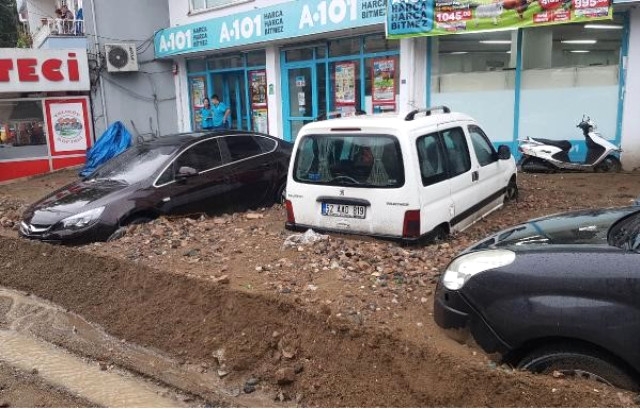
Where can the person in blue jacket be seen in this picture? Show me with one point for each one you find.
(220, 113)
(206, 115)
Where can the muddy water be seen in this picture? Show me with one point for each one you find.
(29, 327)
(57, 367)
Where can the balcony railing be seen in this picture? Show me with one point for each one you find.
(58, 27)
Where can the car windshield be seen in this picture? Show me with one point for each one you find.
(350, 160)
(135, 164)
(625, 234)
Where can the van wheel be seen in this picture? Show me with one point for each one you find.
(578, 362)
(439, 233)
(511, 192)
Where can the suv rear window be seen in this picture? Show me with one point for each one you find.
(350, 160)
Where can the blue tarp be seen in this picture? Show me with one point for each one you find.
(115, 140)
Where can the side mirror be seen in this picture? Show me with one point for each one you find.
(504, 152)
(186, 172)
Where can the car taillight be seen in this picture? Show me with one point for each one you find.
(290, 216)
(411, 226)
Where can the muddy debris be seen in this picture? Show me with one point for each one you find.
(355, 312)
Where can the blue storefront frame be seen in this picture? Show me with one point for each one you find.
(243, 72)
(326, 62)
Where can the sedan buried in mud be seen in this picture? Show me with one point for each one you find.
(560, 293)
(178, 174)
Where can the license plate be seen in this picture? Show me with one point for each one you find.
(338, 210)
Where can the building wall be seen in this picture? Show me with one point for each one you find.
(179, 10)
(413, 67)
(631, 119)
(146, 97)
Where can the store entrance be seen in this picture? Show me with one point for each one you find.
(230, 87)
(302, 97)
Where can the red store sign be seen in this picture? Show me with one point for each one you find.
(29, 70)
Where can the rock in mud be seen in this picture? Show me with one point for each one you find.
(285, 376)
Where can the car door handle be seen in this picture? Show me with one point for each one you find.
(226, 179)
(475, 176)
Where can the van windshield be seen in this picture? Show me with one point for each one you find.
(350, 160)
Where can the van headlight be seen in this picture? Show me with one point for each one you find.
(80, 220)
(464, 267)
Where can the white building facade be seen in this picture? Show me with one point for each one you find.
(280, 64)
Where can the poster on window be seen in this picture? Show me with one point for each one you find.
(258, 81)
(384, 86)
(260, 123)
(198, 93)
(68, 121)
(345, 83)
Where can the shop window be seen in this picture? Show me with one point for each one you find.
(256, 58)
(199, 5)
(344, 46)
(378, 43)
(225, 62)
(475, 73)
(573, 45)
(196, 65)
(299, 54)
(569, 70)
(22, 130)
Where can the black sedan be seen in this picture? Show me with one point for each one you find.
(178, 174)
(560, 293)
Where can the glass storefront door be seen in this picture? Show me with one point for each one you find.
(231, 88)
(302, 95)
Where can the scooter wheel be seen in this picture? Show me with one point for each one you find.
(610, 164)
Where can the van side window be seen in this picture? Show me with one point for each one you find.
(457, 151)
(432, 159)
(481, 145)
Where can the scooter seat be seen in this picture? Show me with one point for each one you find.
(564, 145)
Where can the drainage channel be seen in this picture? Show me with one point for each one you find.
(57, 367)
(36, 334)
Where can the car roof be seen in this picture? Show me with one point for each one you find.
(403, 121)
(181, 139)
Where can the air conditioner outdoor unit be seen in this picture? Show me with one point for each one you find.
(121, 57)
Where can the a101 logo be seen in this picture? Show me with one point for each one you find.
(334, 11)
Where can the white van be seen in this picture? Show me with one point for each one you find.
(418, 175)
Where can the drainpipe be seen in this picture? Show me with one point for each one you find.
(105, 118)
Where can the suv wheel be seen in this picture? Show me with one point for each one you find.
(578, 362)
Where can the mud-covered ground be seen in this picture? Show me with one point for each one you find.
(342, 322)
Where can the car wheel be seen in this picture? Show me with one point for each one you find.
(578, 362)
(281, 192)
(120, 231)
(511, 192)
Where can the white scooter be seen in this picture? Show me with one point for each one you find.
(545, 155)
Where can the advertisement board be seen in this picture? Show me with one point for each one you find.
(408, 18)
(286, 20)
(68, 122)
(43, 70)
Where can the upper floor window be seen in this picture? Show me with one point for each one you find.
(200, 5)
